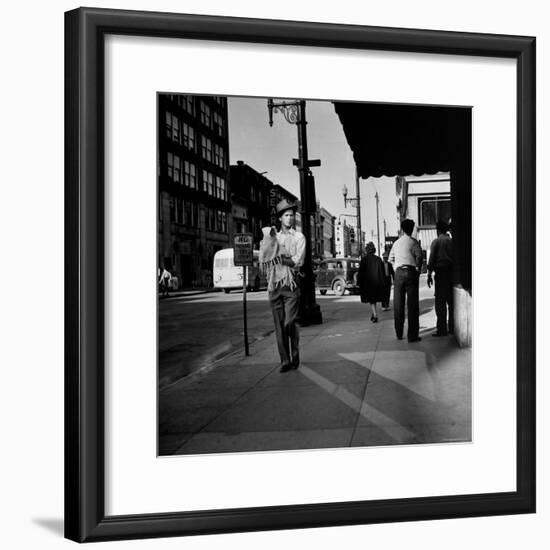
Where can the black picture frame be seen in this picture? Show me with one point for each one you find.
(85, 519)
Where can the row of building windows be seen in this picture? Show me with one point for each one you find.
(211, 119)
(215, 220)
(185, 173)
(184, 212)
(181, 171)
(180, 132)
(215, 186)
(213, 152)
(185, 102)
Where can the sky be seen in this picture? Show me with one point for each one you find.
(271, 150)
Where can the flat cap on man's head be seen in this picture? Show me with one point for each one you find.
(284, 205)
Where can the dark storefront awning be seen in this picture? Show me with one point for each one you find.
(405, 140)
(401, 140)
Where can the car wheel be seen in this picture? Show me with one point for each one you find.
(323, 292)
(256, 284)
(227, 290)
(339, 288)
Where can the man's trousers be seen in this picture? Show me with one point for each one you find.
(406, 285)
(284, 305)
(444, 299)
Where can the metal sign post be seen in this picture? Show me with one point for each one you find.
(243, 256)
(244, 313)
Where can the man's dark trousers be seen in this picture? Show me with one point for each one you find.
(444, 299)
(284, 305)
(406, 284)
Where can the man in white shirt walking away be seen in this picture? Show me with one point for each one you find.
(406, 258)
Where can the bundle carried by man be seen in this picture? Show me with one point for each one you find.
(271, 261)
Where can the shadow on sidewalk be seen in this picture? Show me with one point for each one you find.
(393, 395)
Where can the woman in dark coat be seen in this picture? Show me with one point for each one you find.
(371, 279)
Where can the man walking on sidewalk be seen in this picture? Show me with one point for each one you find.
(441, 262)
(282, 255)
(406, 258)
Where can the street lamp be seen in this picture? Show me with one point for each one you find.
(295, 113)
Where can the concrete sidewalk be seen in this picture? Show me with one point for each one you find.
(357, 386)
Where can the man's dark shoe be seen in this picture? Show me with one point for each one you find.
(412, 340)
(437, 334)
(399, 337)
(285, 368)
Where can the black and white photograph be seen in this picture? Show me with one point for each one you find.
(314, 274)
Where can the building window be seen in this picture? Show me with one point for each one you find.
(172, 204)
(206, 114)
(206, 148)
(218, 124)
(208, 182)
(188, 137)
(207, 218)
(213, 220)
(177, 169)
(179, 211)
(173, 127)
(190, 214)
(170, 165)
(221, 190)
(189, 174)
(433, 209)
(187, 104)
(221, 221)
(168, 124)
(219, 156)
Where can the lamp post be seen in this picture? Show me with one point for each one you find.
(357, 201)
(295, 113)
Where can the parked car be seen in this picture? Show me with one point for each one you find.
(338, 275)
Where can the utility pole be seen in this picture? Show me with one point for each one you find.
(358, 203)
(295, 113)
(377, 222)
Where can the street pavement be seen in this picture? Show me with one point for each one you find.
(195, 330)
(357, 385)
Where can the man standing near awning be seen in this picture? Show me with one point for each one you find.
(441, 262)
(406, 258)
